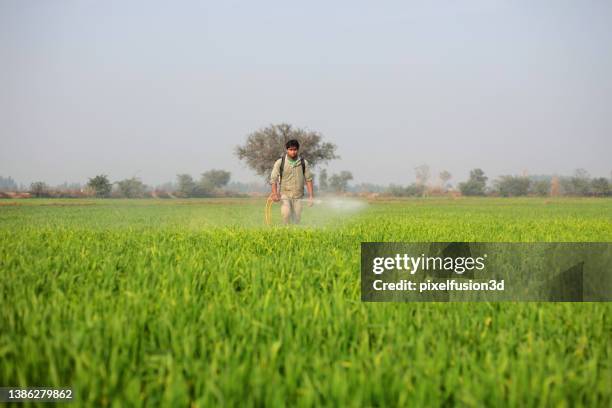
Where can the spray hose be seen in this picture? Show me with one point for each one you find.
(268, 210)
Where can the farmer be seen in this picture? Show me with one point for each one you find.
(291, 171)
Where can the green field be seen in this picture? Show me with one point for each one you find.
(195, 302)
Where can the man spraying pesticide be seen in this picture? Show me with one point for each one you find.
(288, 177)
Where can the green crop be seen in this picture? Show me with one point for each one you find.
(196, 302)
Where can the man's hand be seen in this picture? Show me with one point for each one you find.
(310, 201)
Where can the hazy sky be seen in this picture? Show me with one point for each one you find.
(156, 88)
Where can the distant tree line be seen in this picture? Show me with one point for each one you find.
(216, 183)
(579, 184)
(336, 183)
(212, 183)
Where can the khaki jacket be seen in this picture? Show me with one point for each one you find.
(293, 181)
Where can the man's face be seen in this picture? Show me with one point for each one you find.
(292, 152)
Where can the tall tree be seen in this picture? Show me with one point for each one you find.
(131, 188)
(323, 185)
(216, 178)
(422, 174)
(444, 177)
(509, 186)
(39, 189)
(339, 182)
(541, 187)
(185, 185)
(475, 185)
(264, 146)
(601, 186)
(580, 183)
(205, 187)
(100, 185)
